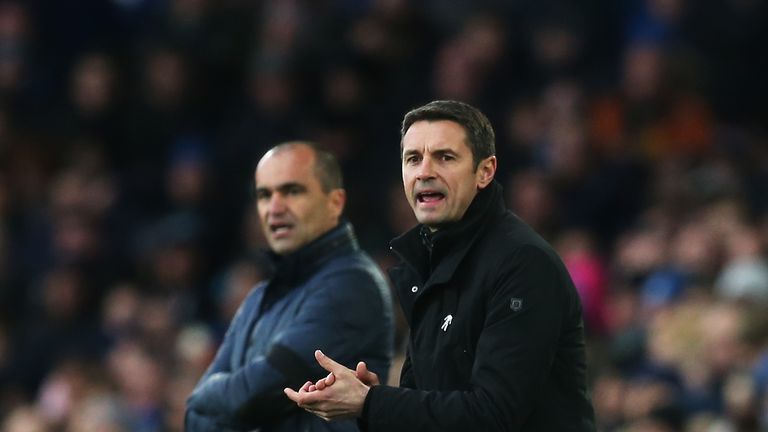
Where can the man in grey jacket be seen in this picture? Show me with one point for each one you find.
(319, 270)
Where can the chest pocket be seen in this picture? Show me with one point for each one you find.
(442, 344)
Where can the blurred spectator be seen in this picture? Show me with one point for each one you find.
(91, 108)
(64, 386)
(25, 419)
(120, 311)
(14, 46)
(466, 62)
(233, 285)
(159, 114)
(556, 44)
(195, 348)
(58, 319)
(589, 275)
(139, 377)
(745, 274)
(98, 412)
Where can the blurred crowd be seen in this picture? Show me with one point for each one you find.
(631, 134)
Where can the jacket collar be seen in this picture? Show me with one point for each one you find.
(299, 265)
(436, 255)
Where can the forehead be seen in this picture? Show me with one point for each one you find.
(425, 135)
(291, 165)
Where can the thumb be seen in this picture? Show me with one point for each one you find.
(361, 370)
(327, 363)
(292, 394)
(363, 374)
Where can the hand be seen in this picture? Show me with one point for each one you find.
(322, 383)
(340, 395)
(361, 372)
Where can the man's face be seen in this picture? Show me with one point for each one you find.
(439, 177)
(293, 208)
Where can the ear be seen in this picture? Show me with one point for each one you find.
(485, 172)
(337, 198)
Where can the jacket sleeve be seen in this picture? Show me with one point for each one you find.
(194, 420)
(340, 317)
(513, 359)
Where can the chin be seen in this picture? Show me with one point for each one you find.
(282, 248)
(430, 221)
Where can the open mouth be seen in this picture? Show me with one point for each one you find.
(429, 196)
(280, 228)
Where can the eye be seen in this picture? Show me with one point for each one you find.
(412, 159)
(447, 157)
(262, 195)
(294, 190)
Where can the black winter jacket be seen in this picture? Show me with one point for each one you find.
(497, 340)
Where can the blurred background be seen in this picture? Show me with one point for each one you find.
(631, 134)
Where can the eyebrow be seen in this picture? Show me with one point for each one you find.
(439, 151)
(284, 187)
(443, 151)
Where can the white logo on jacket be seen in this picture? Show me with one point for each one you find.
(446, 322)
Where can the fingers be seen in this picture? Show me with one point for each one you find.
(320, 384)
(325, 382)
(310, 393)
(305, 387)
(327, 363)
(302, 398)
(309, 387)
(296, 396)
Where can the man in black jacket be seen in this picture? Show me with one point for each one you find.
(497, 340)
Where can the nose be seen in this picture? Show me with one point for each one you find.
(276, 204)
(424, 170)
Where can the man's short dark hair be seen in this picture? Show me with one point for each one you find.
(480, 136)
(327, 168)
